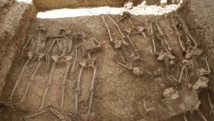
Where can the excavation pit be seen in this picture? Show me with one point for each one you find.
(120, 92)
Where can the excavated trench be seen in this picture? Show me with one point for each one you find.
(153, 92)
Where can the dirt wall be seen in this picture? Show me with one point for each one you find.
(44, 5)
(13, 23)
(199, 16)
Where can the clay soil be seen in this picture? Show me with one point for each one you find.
(119, 94)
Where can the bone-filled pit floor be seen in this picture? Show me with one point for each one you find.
(119, 94)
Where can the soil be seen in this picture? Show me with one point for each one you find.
(44, 5)
(119, 94)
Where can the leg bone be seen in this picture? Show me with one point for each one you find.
(181, 74)
(186, 30)
(36, 114)
(63, 85)
(208, 67)
(58, 114)
(31, 81)
(201, 114)
(107, 27)
(48, 85)
(211, 105)
(128, 67)
(92, 88)
(185, 118)
(163, 35)
(153, 39)
(118, 27)
(24, 47)
(48, 53)
(19, 79)
(74, 64)
(77, 92)
(178, 35)
(135, 48)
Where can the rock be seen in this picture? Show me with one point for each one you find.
(157, 73)
(150, 75)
